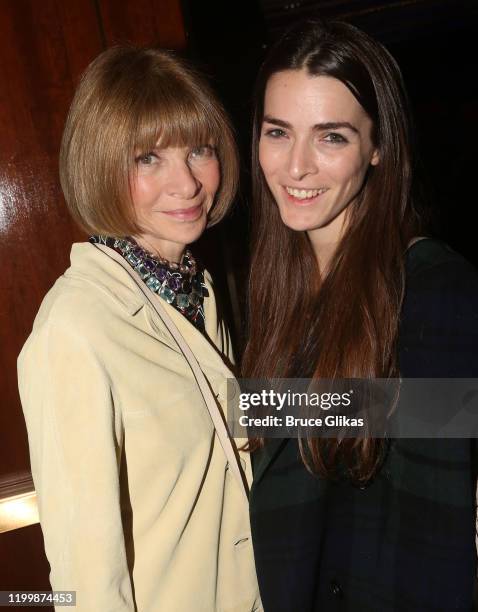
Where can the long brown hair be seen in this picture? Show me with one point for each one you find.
(346, 324)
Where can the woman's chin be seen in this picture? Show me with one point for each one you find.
(298, 225)
(189, 233)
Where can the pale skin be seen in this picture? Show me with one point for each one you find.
(315, 149)
(173, 190)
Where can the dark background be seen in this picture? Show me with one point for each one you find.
(44, 47)
(435, 44)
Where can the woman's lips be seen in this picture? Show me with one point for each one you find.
(185, 214)
(304, 201)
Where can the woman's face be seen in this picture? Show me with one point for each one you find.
(315, 148)
(173, 189)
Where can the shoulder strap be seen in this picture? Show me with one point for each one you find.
(215, 413)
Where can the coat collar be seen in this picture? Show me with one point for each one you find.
(91, 265)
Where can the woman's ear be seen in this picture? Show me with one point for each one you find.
(374, 161)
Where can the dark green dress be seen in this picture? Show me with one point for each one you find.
(407, 541)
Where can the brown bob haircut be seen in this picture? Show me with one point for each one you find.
(130, 101)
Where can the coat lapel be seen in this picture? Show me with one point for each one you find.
(264, 457)
(86, 257)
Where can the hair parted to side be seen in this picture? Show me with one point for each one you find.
(129, 101)
(346, 324)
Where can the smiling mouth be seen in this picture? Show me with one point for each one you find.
(303, 196)
(185, 214)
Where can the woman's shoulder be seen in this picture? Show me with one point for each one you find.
(91, 292)
(439, 318)
(439, 278)
(432, 258)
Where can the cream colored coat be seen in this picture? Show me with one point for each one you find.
(138, 508)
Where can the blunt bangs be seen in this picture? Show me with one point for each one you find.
(178, 120)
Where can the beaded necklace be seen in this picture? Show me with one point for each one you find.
(180, 285)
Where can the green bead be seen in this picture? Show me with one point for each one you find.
(132, 259)
(182, 300)
(167, 294)
(153, 283)
(142, 271)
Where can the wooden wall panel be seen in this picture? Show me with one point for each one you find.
(20, 549)
(43, 49)
(143, 22)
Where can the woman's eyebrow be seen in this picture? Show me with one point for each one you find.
(274, 121)
(335, 125)
(329, 125)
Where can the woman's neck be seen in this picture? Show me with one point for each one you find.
(325, 240)
(172, 251)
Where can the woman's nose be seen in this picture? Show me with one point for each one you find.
(302, 161)
(183, 182)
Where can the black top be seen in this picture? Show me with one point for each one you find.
(407, 541)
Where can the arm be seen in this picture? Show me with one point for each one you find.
(75, 442)
(440, 339)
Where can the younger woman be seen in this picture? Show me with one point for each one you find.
(340, 288)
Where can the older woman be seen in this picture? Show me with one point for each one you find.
(139, 506)
(348, 291)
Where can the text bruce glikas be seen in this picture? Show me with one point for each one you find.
(279, 401)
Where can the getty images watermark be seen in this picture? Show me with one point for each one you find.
(268, 398)
(398, 408)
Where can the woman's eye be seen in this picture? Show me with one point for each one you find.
(275, 133)
(148, 159)
(202, 152)
(335, 138)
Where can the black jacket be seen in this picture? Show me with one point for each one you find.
(406, 542)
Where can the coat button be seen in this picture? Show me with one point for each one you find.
(336, 589)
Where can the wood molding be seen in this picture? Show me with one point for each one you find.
(18, 502)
